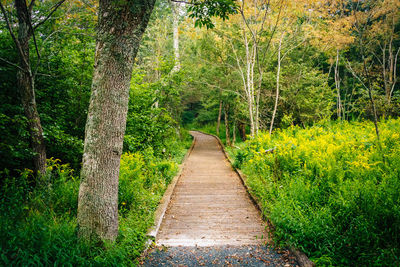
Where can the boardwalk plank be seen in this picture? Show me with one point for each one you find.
(209, 205)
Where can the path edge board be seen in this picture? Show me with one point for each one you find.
(301, 257)
(164, 202)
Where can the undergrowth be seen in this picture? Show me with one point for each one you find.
(330, 190)
(38, 219)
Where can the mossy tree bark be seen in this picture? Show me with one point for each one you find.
(121, 25)
(25, 79)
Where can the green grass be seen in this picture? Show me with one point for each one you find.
(38, 224)
(329, 190)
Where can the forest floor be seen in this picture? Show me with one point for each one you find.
(210, 219)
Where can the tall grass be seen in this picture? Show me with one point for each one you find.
(329, 190)
(38, 223)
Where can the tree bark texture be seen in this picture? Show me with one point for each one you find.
(227, 131)
(219, 117)
(26, 86)
(234, 133)
(247, 75)
(278, 72)
(121, 25)
(175, 26)
(339, 106)
(242, 130)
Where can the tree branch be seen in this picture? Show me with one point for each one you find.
(395, 72)
(53, 9)
(185, 2)
(29, 15)
(273, 31)
(31, 5)
(41, 49)
(355, 75)
(12, 64)
(12, 34)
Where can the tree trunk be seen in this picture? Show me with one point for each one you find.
(26, 88)
(227, 132)
(175, 25)
(337, 85)
(242, 130)
(234, 133)
(119, 32)
(219, 117)
(391, 66)
(277, 86)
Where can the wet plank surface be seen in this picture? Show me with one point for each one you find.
(210, 205)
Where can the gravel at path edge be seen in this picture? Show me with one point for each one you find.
(251, 255)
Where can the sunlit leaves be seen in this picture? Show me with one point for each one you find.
(203, 11)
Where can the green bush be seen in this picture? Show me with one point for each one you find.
(38, 223)
(330, 190)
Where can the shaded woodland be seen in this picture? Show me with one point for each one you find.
(97, 98)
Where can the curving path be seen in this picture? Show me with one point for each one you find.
(210, 206)
(210, 220)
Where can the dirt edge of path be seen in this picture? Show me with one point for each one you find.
(301, 257)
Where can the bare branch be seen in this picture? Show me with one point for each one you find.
(395, 72)
(292, 48)
(31, 5)
(186, 2)
(45, 74)
(355, 75)
(12, 64)
(41, 50)
(53, 9)
(273, 31)
(240, 68)
(22, 55)
(28, 12)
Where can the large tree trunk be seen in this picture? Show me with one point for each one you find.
(119, 32)
(26, 88)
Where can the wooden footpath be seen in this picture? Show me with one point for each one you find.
(209, 205)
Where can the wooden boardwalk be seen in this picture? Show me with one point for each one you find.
(210, 205)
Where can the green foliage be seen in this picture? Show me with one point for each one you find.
(307, 99)
(150, 123)
(38, 224)
(62, 88)
(143, 179)
(329, 190)
(63, 145)
(14, 152)
(14, 149)
(203, 11)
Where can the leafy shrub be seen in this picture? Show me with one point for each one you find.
(38, 224)
(63, 146)
(150, 125)
(330, 190)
